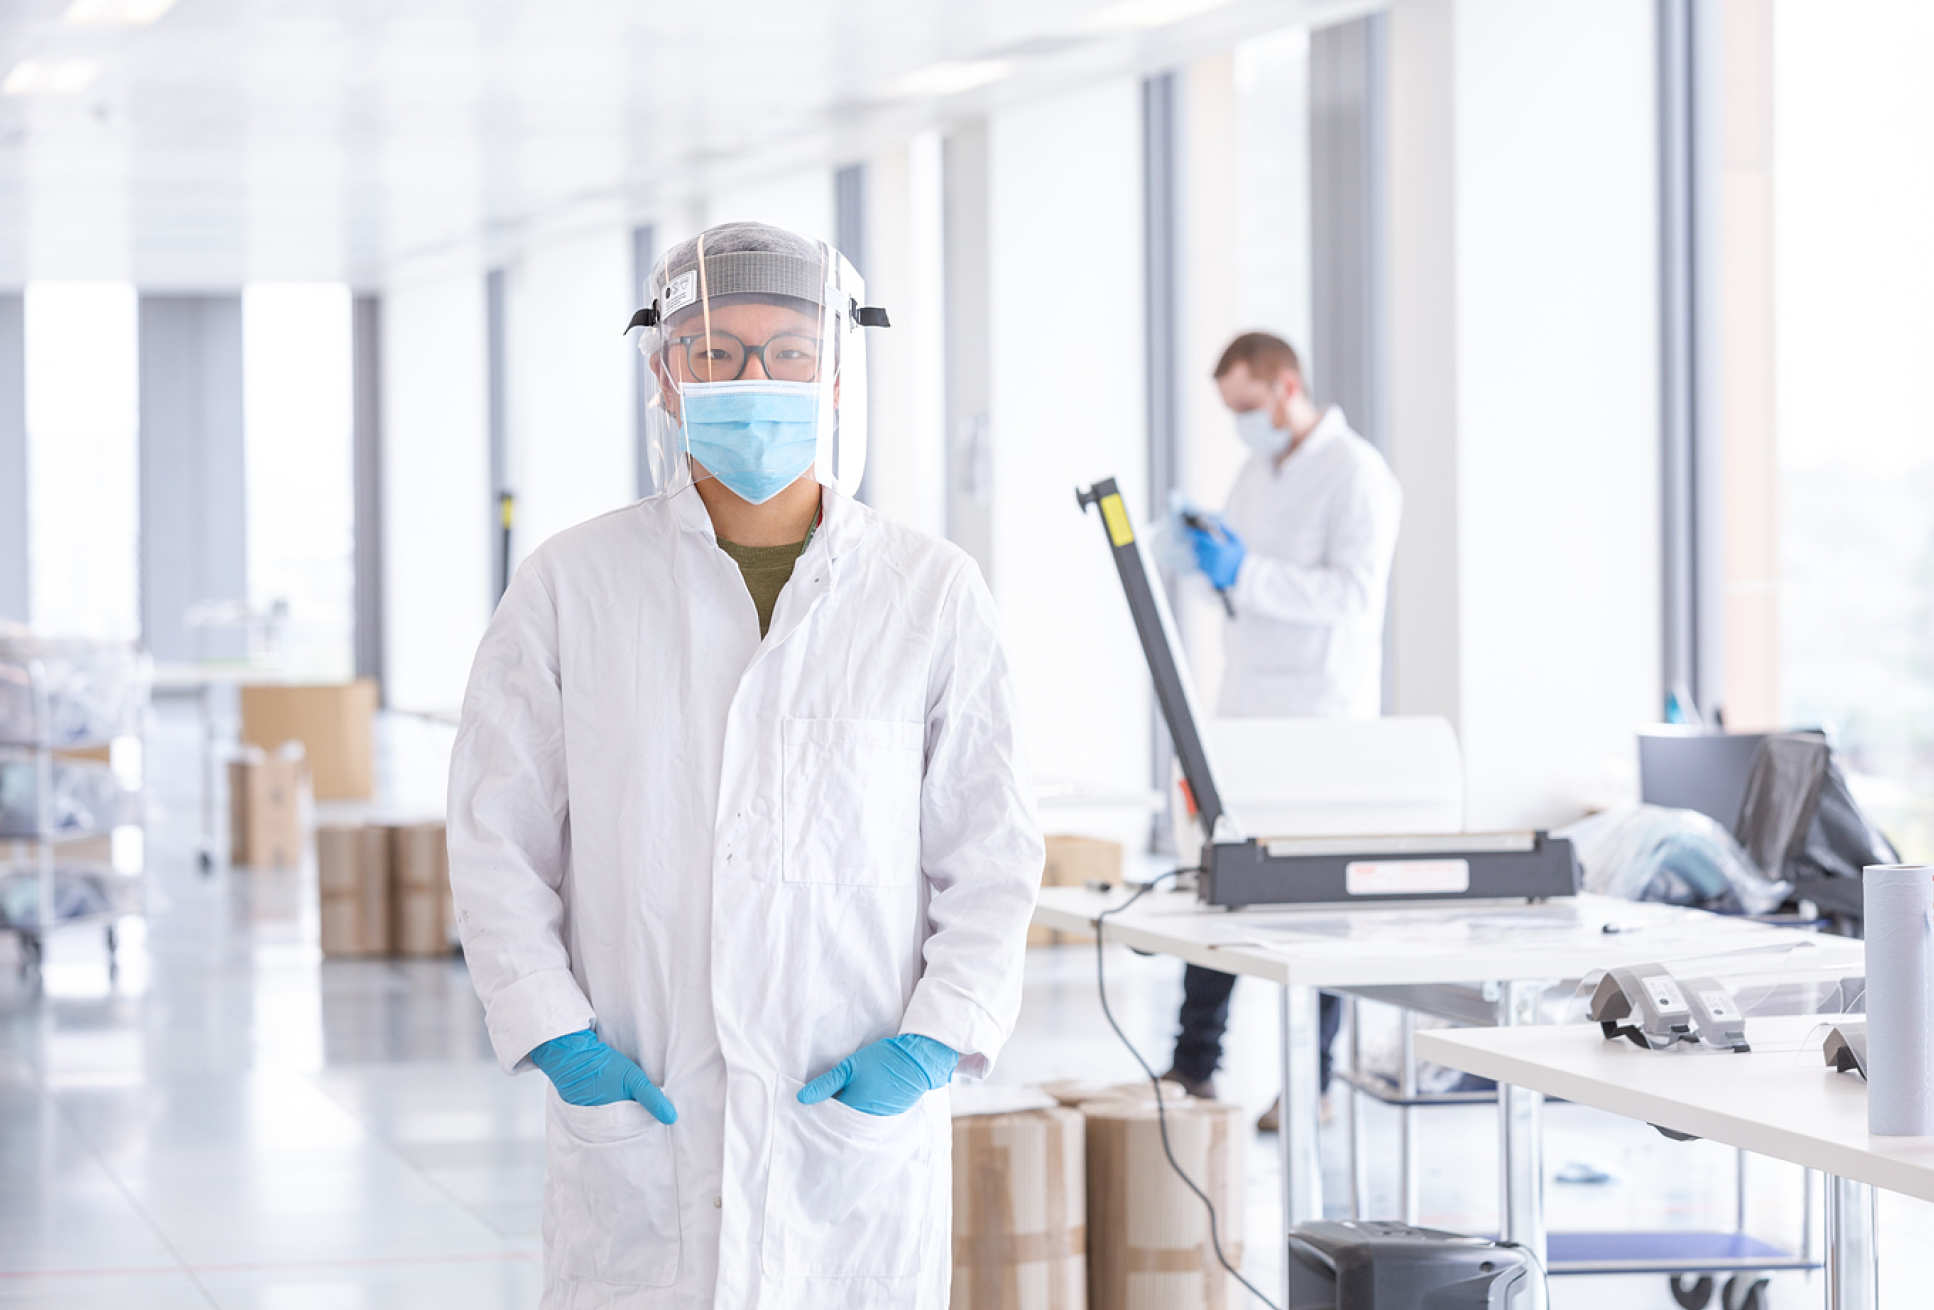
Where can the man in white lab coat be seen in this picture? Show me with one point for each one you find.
(740, 835)
(1302, 555)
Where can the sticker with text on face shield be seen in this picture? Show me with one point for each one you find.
(680, 292)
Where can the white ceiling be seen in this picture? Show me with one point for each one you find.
(337, 139)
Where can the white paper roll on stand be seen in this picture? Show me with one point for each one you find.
(1898, 914)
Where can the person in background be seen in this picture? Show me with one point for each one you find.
(742, 844)
(1301, 552)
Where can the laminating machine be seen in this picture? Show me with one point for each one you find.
(1238, 869)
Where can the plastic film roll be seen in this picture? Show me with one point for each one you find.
(1899, 915)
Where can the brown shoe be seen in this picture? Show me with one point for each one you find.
(1272, 1118)
(1202, 1089)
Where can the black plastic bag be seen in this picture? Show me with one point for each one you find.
(1800, 822)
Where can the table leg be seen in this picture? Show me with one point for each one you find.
(1407, 1116)
(1353, 1099)
(1521, 1137)
(1852, 1259)
(206, 703)
(1302, 1112)
(1806, 1215)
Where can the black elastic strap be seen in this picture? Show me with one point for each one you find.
(870, 316)
(646, 317)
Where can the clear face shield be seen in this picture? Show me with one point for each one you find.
(755, 342)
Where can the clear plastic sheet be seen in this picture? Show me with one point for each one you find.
(1678, 857)
(95, 691)
(78, 894)
(87, 798)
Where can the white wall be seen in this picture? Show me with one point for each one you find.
(1065, 219)
(300, 492)
(83, 500)
(437, 499)
(906, 455)
(1272, 213)
(1526, 383)
(568, 381)
(1212, 217)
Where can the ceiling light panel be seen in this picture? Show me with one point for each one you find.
(116, 13)
(951, 77)
(67, 77)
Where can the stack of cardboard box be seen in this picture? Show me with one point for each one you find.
(335, 723)
(1071, 862)
(265, 800)
(1064, 1198)
(385, 889)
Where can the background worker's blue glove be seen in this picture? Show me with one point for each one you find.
(587, 1072)
(1219, 554)
(888, 1077)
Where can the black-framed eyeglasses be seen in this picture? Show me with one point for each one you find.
(722, 357)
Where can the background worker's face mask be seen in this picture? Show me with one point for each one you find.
(756, 437)
(1259, 431)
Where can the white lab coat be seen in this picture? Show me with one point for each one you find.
(743, 860)
(1307, 638)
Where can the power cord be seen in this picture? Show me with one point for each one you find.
(1544, 1279)
(1161, 1112)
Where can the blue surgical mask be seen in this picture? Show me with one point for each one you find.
(755, 437)
(1259, 433)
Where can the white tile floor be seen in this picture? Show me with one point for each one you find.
(234, 1123)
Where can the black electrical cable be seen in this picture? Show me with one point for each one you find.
(1161, 1113)
(1544, 1278)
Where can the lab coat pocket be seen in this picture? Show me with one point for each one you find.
(850, 1193)
(610, 1194)
(852, 800)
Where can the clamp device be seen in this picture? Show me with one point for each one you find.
(1647, 1005)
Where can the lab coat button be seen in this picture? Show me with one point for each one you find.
(718, 1203)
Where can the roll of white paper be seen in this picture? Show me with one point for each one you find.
(1899, 914)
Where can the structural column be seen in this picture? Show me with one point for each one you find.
(14, 600)
(194, 484)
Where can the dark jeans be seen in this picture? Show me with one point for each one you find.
(1205, 1015)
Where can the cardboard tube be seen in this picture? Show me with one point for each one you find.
(1018, 1239)
(1149, 1245)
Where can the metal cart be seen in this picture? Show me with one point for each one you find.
(1691, 1261)
(45, 728)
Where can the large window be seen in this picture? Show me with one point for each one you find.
(1820, 184)
(301, 516)
(82, 502)
(1853, 279)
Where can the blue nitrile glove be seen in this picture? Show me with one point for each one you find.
(587, 1072)
(888, 1077)
(1218, 554)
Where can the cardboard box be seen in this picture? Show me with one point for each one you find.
(1074, 1092)
(265, 809)
(333, 721)
(420, 876)
(353, 881)
(1072, 861)
(1020, 1211)
(1148, 1235)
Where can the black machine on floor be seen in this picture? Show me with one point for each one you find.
(1353, 1265)
(1239, 869)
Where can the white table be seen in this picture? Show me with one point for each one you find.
(1780, 1100)
(1511, 949)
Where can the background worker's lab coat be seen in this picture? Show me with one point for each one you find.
(743, 861)
(1320, 529)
